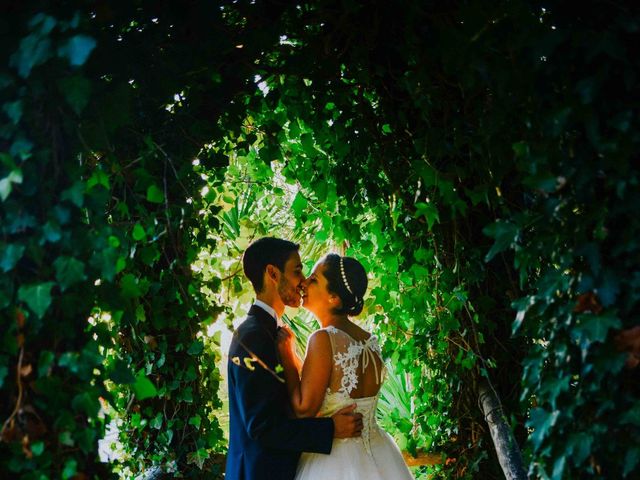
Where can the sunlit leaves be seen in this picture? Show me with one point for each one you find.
(143, 387)
(98, 177)
(521, 306)
(299, 205)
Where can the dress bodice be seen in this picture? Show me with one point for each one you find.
(348, 355)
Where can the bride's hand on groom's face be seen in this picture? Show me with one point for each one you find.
(285, 340)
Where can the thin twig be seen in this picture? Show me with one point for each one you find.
(259, 361)
(16, 409)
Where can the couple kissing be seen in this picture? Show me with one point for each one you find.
(316, 418)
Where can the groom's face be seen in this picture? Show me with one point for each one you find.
(291, 281)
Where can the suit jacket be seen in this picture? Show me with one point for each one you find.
(264, 441)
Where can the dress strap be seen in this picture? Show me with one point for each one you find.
(331, 331)
(369, 356)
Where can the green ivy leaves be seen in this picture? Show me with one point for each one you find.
(120, 373)
(154, 194)
(515, 122)
(69, 271)
(75, 193)
(7, 183)
(76, 90)
(143, 387)
(429, 212)
(196, 348)
(138, 233)
(10, 254)
(299, 205)
(36, 296)
(37, 47)
(77, 214)
(132, 287)
(505, 235)
(77, 49)
(594, 328)
(541, 422)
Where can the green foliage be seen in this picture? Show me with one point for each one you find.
(481, 170)
(478, 158)
(97, 297)
(51, 364)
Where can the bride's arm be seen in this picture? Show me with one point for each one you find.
(295, 360)
(306, 390)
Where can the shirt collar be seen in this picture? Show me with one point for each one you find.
(269, 309)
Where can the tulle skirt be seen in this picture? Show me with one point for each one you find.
(350, 460)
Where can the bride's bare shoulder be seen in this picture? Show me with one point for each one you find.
(319, 340)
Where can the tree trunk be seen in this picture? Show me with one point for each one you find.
(506, 447)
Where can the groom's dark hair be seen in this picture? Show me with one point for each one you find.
(266, 251)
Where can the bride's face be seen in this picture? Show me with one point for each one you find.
(317, 297)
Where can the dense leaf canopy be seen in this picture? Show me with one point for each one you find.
(479, 158)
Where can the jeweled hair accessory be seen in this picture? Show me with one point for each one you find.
(344, 278)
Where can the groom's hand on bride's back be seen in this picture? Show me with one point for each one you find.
(347, 423)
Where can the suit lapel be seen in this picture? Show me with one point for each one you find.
(265, 320)
(268, 325)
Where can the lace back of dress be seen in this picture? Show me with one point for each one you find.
(355, 362)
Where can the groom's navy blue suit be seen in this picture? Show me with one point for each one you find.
(264, 442)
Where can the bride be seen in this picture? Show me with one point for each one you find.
(343, 366)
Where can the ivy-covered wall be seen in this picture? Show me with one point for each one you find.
(99, 221)
(494, 145)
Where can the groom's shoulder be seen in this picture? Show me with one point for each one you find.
(248, 328)
(249, 334)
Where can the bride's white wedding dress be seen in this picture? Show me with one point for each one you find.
(374, 455)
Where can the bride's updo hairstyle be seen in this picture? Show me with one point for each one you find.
(347, 279)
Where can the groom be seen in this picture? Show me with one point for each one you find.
(264, 441)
